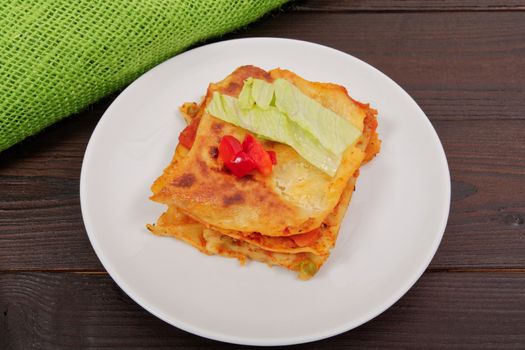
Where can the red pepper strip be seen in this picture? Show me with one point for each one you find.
(306, 239)
(256, 151)
(241, 165)
(273, 156)
(187, 136)
(229, 148)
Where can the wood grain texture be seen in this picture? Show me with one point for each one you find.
(486, 223)
(410, 5)
(443, 310)
(455, 65)
(479, 115)
(40, 220)
(463, 62)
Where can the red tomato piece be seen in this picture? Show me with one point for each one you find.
(187, 136)
(229, 148)
(256, 151)
(241, 165)
(306, 239)
(273, 156)
(249, 141)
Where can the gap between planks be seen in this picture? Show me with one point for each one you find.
(408, 10)
(375, 6)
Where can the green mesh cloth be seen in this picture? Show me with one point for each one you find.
(59, 56)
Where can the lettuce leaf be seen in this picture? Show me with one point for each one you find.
(282, 113)
(335, 133)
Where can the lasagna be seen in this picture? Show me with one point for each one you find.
(266, 168)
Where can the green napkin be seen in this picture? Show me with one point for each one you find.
(59, 56)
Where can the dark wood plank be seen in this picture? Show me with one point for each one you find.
(410, 5)
(486, 224)
(456, 65)
(41, 224)
(479, 114)
(443, 310)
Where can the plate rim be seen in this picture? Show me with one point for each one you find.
(181, 324)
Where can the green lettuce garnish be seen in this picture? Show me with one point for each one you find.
(279, 111)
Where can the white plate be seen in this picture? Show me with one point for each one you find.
(389, 235)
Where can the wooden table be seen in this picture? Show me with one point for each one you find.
(463, 62)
